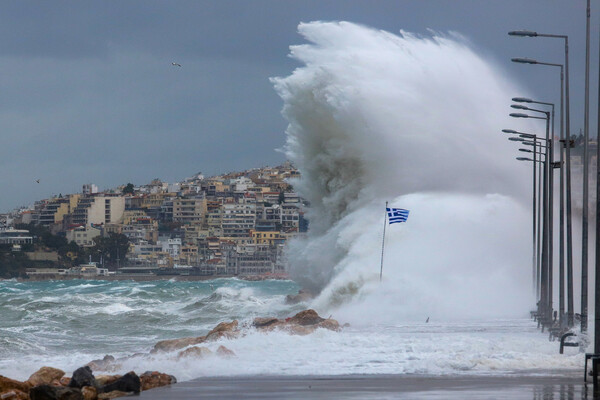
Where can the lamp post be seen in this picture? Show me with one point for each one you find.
(535, 258)
(562, 190)
(567, 144)
(561, 268)
(541, 276)
(570, 302)
(547, 220)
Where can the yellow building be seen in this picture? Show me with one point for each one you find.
(269, 237)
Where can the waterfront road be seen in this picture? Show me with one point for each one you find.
(379, 387)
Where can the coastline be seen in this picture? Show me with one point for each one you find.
(378, 387)
(151, 277)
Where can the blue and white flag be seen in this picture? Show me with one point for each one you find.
(396, 215)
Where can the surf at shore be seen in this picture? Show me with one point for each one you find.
(66, 324)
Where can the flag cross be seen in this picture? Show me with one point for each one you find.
(396, 215)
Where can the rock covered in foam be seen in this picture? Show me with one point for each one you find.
(229, 330)
(196, 351)
(225, 352)
(176, 344)
(302, 296)
(303, 323)
(306, 317)
(101, 364)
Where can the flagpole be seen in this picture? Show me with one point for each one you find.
(383, 242)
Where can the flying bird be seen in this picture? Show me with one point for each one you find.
(37, 180)
(175, 64)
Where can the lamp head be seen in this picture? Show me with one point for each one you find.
(519, 115)
(524, 60)
(522, 100)
(523, 33)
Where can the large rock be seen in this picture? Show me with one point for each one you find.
(225, 352)
(197, 352)
(103, 380)
(176, 344)
(14, 394)
(82, 377)
(102, 364)
(129, 382)
(112, 395)
(303, 323)
(154, 379)
(89, 393)
(302, 296)
(260, 322)
(7, 384)
(306, 317)
(228, 330)
(45, 376)
(47, 392)
(330, 324)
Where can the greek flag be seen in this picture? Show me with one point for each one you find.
(397, 215)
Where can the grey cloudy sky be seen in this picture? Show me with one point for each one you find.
(88, 93)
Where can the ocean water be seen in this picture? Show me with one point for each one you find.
(374, 117)
(65, 324)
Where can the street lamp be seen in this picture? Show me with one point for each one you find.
(562, 236)
(562, 190)
(546, 273)
(537, 267)
(535, 272)
(567, 143)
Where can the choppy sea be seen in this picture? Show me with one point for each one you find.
(66, 324)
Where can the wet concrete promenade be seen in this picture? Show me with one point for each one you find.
(377, 387)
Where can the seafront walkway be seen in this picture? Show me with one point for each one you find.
(377, 387)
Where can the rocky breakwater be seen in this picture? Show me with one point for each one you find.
(51, 384)
(303, 323)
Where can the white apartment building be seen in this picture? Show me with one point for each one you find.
(99, 210)
(238, 218)
(89, 188)
(83, 235)
(189, 211)
(171, 246)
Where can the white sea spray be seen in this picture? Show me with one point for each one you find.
(415, 121)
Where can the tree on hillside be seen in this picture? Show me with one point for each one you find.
(128, 189)
(12, 264)
(112, 248)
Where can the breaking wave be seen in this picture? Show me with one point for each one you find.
(376, 117)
